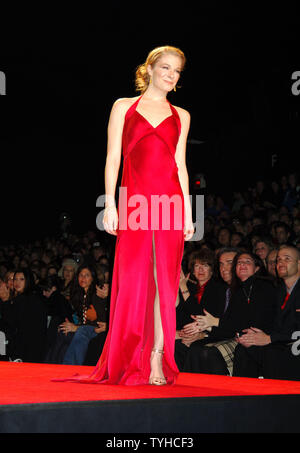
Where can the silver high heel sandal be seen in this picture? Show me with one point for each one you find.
(157, 380)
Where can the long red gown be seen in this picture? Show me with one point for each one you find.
(149, 168)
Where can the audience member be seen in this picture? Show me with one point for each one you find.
(214, 358)
(261, 219)
(25, 320)
(271, 353)
(92, 311)
(205, 294)
(251, 301)
(271, 263)
(262, 247)
(67, 274)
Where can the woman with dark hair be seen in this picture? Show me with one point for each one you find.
(253, 302)
(251, 284)
(102, 290)
(200, 292)
(26, 319)
(91, 312)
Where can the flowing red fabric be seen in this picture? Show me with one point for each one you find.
(149, 168)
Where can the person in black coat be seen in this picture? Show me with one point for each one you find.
(88, 320)
(199, 291)
(58, 308)
(26, 319)
(92, 312)
(274, 354)
(253, 300)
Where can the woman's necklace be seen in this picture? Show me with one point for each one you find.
(249, 294)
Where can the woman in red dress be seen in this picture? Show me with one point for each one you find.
(151, 135)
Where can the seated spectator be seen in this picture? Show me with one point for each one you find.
(238, 226)
(52, 270)
(67, 273)
(210, 206)
(92, 311)
(57, 306)
(199, 291)
(9, 280)
(237, 239)
(238, 202)
(88, 311)
(296, 229)
(270, 353)
(276, 195)
(217, 357)
(4, 267)
(25, 319)
(209, 223)
(281, 233)
(247, 212)
(102, 290)
(296, 211)
(262, 247)
(271, 263)
(224, 237)
(291, 196)
(252, 301)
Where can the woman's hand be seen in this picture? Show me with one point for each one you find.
(206, 321)
(110, 220)
(188, 230)
(4, 292)
(190, 329)
(253, 337)
(102, 326)
(183, 282)
(187, 340)
(103, 291)
(67, 327)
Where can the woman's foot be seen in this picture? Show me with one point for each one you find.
(156, 375)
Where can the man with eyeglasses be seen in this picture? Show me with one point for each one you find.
(276, 356)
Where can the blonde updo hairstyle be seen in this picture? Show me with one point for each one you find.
(142, 78)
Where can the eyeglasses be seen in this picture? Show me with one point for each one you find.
(203, 265)
(246, 263)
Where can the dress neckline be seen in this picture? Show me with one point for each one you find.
(153, 127)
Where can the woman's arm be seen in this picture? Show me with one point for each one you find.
(180, 158)
(183, 285)
(113, 160)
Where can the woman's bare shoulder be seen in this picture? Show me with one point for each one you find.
(184, 114)
(123, 104)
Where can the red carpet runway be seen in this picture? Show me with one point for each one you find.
(31, 402)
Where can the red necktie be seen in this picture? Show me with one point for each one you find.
(285, 301)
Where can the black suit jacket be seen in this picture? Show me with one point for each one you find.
(240, 315)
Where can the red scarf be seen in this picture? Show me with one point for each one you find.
(200, 291)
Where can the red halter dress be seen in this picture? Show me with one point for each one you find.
(149, 168)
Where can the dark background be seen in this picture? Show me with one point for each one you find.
(64, 70)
